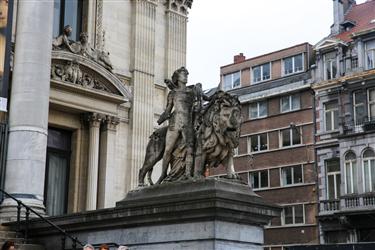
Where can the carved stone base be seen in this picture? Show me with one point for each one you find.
(206, 214)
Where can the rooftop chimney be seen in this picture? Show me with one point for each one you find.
(239, 58)
(340, 7)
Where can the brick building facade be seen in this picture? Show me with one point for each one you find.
(276, 151)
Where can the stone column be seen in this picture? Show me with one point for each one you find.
(176, 36)
(107, 164)
(29, 104)
(143, 82)
(361, 54)
(93, 163)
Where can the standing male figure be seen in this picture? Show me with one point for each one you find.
(181, 99)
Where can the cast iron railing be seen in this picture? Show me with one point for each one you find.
(29, 210)
(3, 154)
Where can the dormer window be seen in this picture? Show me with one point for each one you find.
(330, 66)
(347, 25)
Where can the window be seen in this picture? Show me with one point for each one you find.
(371, 104)
(294, 214)
(290, 137)
(330, 66)
(291, 175)
(359, 100)
(354, 62)
(350, 173)
(57, 171)
(331, 115)
(258, 110)
(258, 142)
(232, 81)
(369, 170)
(290, 103)
(370, 54)
(262, 72)
(235, 151)
(67, 12)
(293, 64)
(259, 179)
(333, 178)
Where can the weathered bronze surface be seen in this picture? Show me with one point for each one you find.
(202, 133)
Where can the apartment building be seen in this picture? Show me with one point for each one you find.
(276, 151)
(345, 118)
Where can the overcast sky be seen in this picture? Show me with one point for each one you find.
(220, 29)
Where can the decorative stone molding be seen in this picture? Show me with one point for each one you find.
(94, 119)
(180, 6)
(111, 122)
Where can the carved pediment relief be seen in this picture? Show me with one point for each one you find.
(82, 72)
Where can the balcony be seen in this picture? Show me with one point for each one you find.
(360, 201)
(329, 206)
(360, 126)
(347, 203)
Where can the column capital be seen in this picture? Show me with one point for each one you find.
(111, 122)
(179, 6)
(94, 119)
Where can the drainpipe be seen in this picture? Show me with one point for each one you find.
(320, 233)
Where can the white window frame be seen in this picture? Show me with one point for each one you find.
(258, 173)
(332, 114)
(293, 214)
(290, 101)
(232, 82)
(258, 110)
(356, 105)
(370, 51)
(334, 174)
(258, 142)
(261, 73)
(290, 136)
(352, 181)
(368, 159)
(235, 151)
(369, 103)
(330, 62)
(293, 63)
(282, 184)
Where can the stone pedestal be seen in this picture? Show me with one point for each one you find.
(206, 214)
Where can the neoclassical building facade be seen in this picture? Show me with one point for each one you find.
(81, 111)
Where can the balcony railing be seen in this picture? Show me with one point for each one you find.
(347, 203)
(361, 125)
(329, 206)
